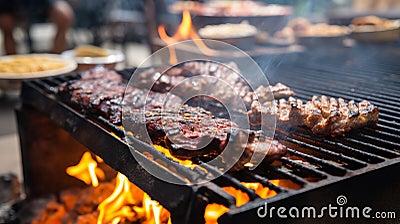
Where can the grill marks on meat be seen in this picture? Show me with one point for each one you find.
(101, 91)
(322, 115)
(278, 91)
(258, 146)
(164, 80)
(194, 133)
(330, 116)
(98, 91)
(230, 73)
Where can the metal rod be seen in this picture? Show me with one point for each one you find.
(327, 166)
(303, 167)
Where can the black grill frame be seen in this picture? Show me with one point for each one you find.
(359, 157)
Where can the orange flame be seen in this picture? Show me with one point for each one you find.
(115, 206)
(128, 202)
(185, 31)
(186, 163)
(86, 170)
(214, 211)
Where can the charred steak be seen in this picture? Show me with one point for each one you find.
(194, 133)
(164, 79)
(101, 91)
(188, 132)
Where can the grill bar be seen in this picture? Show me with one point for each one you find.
(286, 174)
(349, 87)
(265, 182)
(382, 134)
(385, 128)
(325, 165)
(342, 148)
(350, 162)
(370, 147)
(143, 147)
(223, 179)
(352, 76)
(114, 128)
(219, 196)
(300, 168)
(386, 107)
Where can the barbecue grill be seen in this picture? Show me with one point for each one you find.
(361, 166)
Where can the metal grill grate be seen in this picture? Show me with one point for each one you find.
(311, 162)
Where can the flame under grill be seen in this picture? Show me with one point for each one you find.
(318, 165)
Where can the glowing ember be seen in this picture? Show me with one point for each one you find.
(185, 31)
(86, 170)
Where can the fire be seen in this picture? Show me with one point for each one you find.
(86, 170)
(187, 163)
(153, 211)
(115, 206)
(185, 31)
(214, 211)
(263, 192)
(128, 202)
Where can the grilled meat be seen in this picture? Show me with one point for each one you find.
(330, 116)
(322, 115)
(194, 133)
(100, 91)
(257, 146)
(161, 79)
(165, 79)
(279, 91)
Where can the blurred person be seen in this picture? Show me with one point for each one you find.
(12, 12)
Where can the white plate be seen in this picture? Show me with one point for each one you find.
(70, 66)
(114, 56)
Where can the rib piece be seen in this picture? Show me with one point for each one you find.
(322, 115)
